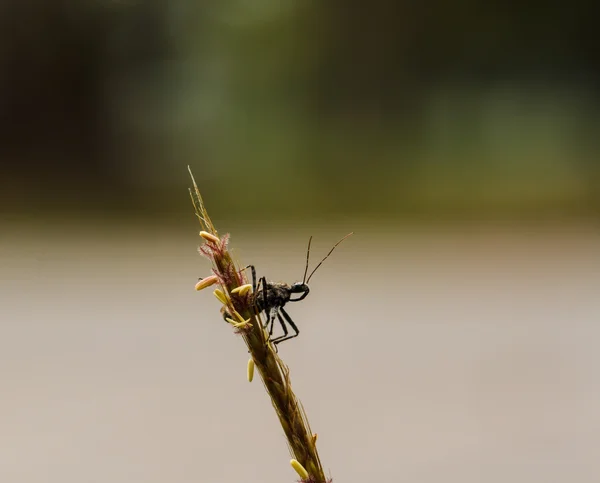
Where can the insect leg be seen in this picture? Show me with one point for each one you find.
(263, 283)
(274, 313)
(283, 326)
(253, 270)
(289, 320)
(285, 331)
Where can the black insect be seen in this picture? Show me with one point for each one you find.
(271, 297)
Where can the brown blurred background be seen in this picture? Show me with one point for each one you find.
(453, 338)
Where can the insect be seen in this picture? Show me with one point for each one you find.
(271, 297)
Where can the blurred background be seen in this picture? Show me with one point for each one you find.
(453, 338)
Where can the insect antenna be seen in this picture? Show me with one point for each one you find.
(307, 258)
(326, 256)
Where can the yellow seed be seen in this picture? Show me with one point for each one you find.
(242, 289)
(299, 469)
(250, 370)
(221, 296)
(237, 314)
(210, 237)
(239, 325)
(206, 282)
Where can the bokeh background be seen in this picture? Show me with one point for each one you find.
(453, 338)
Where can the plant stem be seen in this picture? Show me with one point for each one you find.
(273, 371)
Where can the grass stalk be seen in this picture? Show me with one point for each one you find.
(274, 373)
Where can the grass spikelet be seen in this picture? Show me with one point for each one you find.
(274, 373)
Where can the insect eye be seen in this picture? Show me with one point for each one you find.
(299, 287)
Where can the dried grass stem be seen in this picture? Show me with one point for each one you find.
(274, 373)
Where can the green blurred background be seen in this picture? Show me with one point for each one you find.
(312, 109)
(453, 338)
